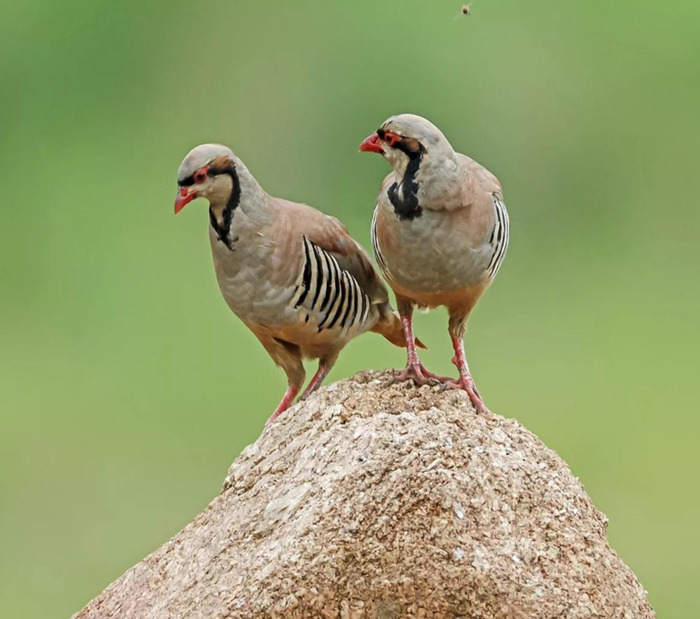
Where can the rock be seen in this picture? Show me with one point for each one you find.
(382, 502)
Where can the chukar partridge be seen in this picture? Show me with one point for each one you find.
(439, 232)
(293, 275)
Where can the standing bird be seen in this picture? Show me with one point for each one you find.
(439, 232)
(293, 275)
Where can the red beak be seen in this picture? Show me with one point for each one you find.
(183, 198)
(371, 145)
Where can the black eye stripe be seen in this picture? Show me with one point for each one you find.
(189, 181)
(412, 154)
(401, 144)
(216, 171)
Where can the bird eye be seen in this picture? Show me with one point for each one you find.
(391, 138)
(200, 175)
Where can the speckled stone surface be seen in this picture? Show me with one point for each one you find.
(381, 502)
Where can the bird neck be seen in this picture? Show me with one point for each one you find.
(439, 182)
(429, 180)
(403, 194)
(245, 191)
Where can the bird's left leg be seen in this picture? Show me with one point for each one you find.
(456, 329)
(324, 366)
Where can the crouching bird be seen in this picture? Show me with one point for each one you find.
(293, 275)
(439, 233)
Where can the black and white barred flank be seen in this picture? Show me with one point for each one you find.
(328, 291)
(499, 237)
(375, 244)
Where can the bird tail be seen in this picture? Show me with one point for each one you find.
(390, 327)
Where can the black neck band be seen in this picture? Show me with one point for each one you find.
(405, 203)
(223, 229)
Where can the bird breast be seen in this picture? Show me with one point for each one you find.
(253, 288)
(435, 252)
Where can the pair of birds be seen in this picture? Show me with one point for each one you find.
(305, 288)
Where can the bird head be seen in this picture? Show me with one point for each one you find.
(405, 137)
(208, 171)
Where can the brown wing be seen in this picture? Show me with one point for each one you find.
(307, 228)
(331, 235)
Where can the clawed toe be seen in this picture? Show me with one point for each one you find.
(436, 377)
(418, 374)
(468, 385)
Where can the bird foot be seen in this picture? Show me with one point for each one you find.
(284, 404)
(435, 377)
(467, 384)
(418, 374)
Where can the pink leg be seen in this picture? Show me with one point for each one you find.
(414, 370)
(465, 381)
(285, 403)
(323, 368)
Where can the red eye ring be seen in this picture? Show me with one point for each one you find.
(391, 138)
(201, 175)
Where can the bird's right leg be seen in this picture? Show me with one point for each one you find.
(414, 369)
(294, 369)
(288, 357)
(286, 401)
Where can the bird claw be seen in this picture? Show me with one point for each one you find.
(467, 384)
(418, 374)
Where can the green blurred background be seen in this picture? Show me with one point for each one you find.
(127, 387)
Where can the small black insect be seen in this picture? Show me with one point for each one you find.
(465, 10)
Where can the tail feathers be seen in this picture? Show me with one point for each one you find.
(390, 327)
